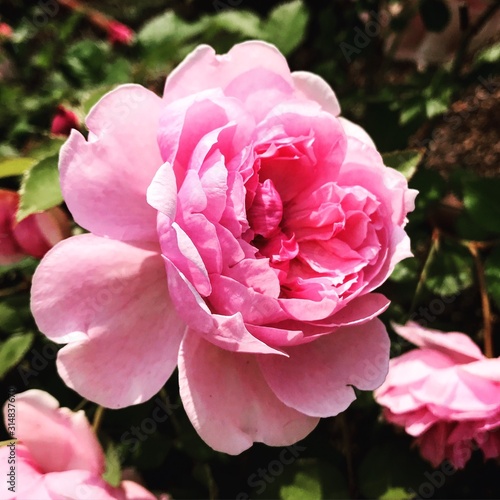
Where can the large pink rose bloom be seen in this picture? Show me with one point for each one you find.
(57, 455)
(238, 227)
(446, 394)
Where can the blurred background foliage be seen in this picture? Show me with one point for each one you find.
(437, 123)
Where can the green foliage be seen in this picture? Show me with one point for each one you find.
(40, 188)
(481, 199)
(112, 474)
(405, 162)
(13, 350)
(451, 270)
(69, 61)
(313, 480)
(15, 166)
(286, 26)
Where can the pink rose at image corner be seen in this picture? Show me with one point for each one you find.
(64, 120)
(446, 394)
(238, 227)
(34, 236)
(57, 455)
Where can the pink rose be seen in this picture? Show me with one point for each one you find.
(57, 454)
(34, 235)
(446, 394)
(238, 227)
(119, 33)
(416, 43)
(63, 121)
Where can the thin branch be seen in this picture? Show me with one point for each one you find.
(469, 34)
(485, 302)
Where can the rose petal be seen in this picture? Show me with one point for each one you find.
(104, 180)
(317, 377)
(229, 402)
(117, 312)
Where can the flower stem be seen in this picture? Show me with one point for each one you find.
(97, 418)
(423, 275)
(485, 302)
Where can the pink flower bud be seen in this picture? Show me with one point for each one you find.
(64, 121)
(120, 33)
(5, 31)
(34, 236)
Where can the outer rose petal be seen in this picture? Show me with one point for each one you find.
(104, 180)
(315, 88)
(353, 130)
(203, 69)
(457, 345)
(117, 308)
(316, 379)
(56, 438)
(229, 402)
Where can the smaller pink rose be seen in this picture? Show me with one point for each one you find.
(57, 455)
(34, 236)
(446, 394)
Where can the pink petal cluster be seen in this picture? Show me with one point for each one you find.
(57, 455)
(238, 227)
(417, 44)
(33, 236)
(119, 33)
(446, 394)
(63, 121)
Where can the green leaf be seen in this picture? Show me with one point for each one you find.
(492, 272)
(49, 147)
(12, 351)
(15, 166)
(489, 55)
(481, 200)
(451, 270)
(405, 161)
(435, 106)
(240, 22)
(166, 37)
(396, 494)
(305, 487)
(286, 26)
(112, 474)
(313, 479)
(40, 189)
